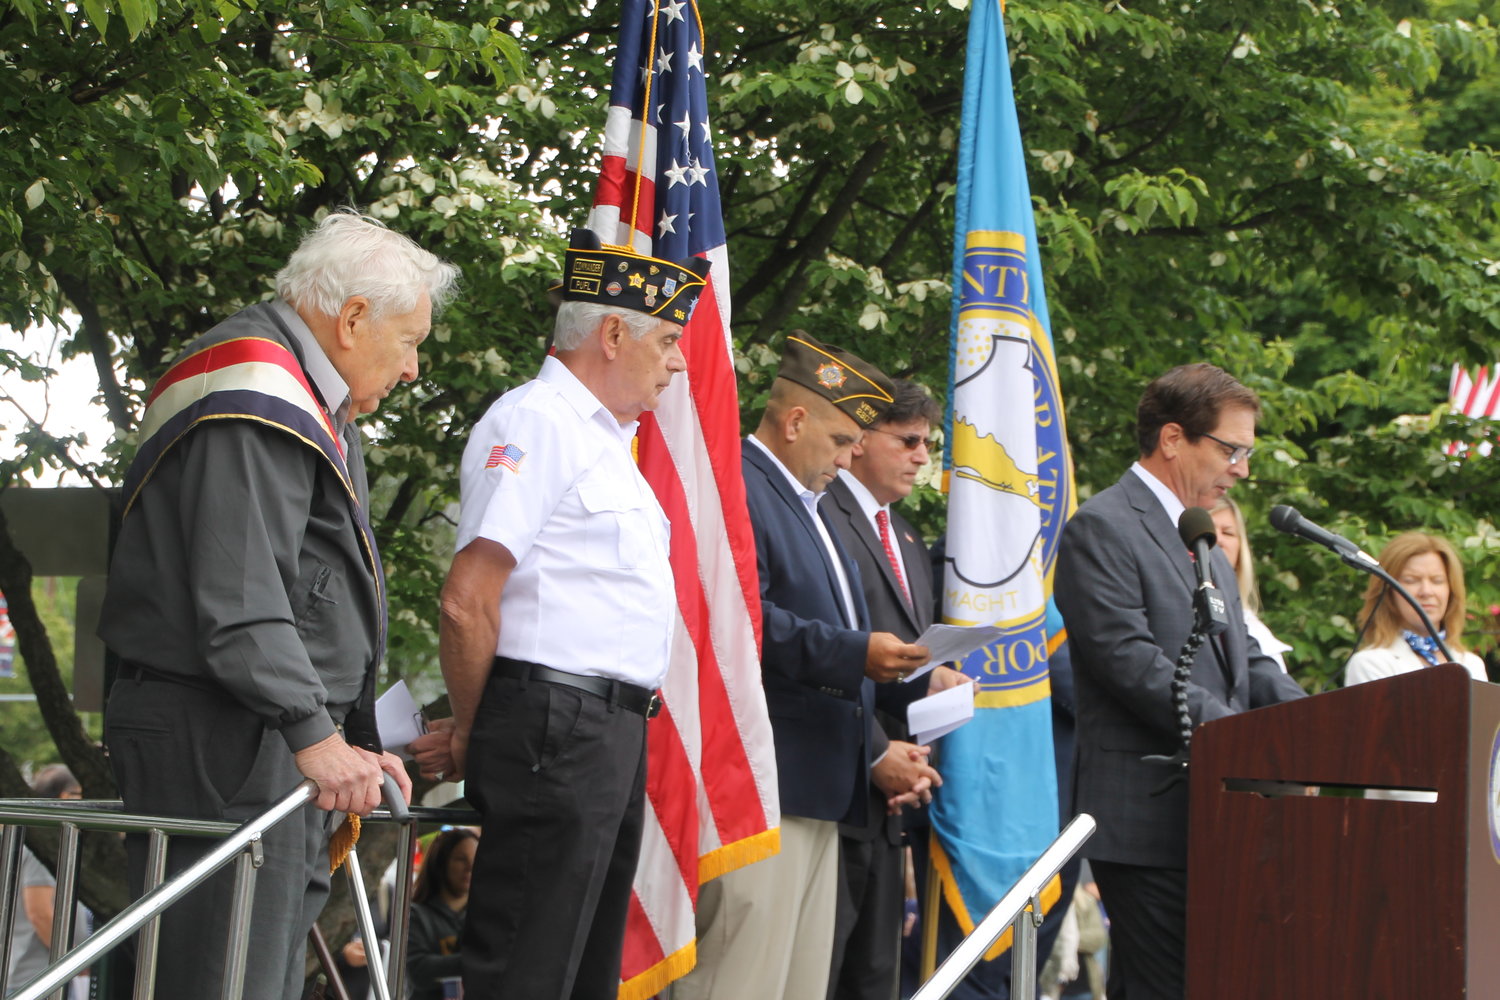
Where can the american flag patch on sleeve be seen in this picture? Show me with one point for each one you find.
(507, 455)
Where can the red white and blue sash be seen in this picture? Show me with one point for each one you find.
(248, 378)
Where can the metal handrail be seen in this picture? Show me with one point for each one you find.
(150, 905)
(1019, 909)
(241, 839)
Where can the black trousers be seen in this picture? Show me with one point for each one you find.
(182, 751)
(867, 928)
(560, 777)
(1147, 910)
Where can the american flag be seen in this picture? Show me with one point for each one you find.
(711, 773)
(1474, 394)
(509, 456)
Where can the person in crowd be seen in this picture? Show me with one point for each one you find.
(36, 892)
(1394, 640)
(557, 618)
(1234, 540)
(438, 902)
(766, 930)
(1125, 585)
(896, 578)
(55, 781)
(246, 599)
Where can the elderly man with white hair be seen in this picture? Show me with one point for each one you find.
(557, 617)
(246, 600)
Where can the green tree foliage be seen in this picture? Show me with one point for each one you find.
(1291, 189)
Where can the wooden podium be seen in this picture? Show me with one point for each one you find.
(1331, 894)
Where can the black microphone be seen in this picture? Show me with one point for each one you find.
(1196, 528)
(1289, 520)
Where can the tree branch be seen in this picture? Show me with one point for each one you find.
(78, 292)
(816, 242)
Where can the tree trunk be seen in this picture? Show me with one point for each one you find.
(103, 855)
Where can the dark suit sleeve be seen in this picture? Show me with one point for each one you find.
(895, 697)
(244, 499)
(1102, 593)
(1269, 684)
(806, 651)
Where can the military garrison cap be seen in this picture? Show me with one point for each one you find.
(618, 276)
(855, 386)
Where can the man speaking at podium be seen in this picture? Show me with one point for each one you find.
(1125, 584)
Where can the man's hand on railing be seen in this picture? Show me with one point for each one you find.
(348, 778)
(396, 768)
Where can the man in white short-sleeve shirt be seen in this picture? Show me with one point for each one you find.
(557, 615)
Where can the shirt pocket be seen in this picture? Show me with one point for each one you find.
(617, 529)
(314, 592)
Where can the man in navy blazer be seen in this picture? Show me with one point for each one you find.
(1125, 585)
(897, 581)
(766, 931)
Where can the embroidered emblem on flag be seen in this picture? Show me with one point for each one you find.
(509, 456)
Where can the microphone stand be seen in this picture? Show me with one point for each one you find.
(1178, 762)
(1203, 627)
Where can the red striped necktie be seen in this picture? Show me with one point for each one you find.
(883, 521)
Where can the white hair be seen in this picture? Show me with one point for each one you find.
(576, 320)
(350, 254)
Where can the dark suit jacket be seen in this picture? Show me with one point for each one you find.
(889, 612)
(812, 660)
(1125, 588)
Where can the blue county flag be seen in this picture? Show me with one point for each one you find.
(1010, 490)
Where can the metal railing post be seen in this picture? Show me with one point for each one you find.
(972, 948)
(401, 893)
(240, 907)
(10, 878)
(64, 893)
(366, 922)
(149, 942)
(1023, 949)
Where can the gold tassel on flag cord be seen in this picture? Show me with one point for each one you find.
(342, 842)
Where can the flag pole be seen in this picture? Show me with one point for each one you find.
(930, 920)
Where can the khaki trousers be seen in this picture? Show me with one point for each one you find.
(765, 931)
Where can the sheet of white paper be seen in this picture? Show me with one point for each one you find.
(939, 714)
(399, 719)
(953, 642)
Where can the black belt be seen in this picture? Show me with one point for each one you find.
(631, 697)
(132, 671)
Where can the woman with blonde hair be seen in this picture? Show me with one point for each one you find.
(1393, 638)
(1234, 541)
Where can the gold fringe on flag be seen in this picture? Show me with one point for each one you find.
(342, 842)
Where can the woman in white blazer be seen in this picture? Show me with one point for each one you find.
(1394, 639)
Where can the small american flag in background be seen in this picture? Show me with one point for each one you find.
(507, 455)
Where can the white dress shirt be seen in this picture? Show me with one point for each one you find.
(592, 591)
(1169, 501)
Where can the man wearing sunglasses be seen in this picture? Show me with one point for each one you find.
(1125, 586)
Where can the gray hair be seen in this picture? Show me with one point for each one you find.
(350, 254)
(576, 320)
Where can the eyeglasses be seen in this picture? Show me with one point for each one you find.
(1237, 452)
(910, 441)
